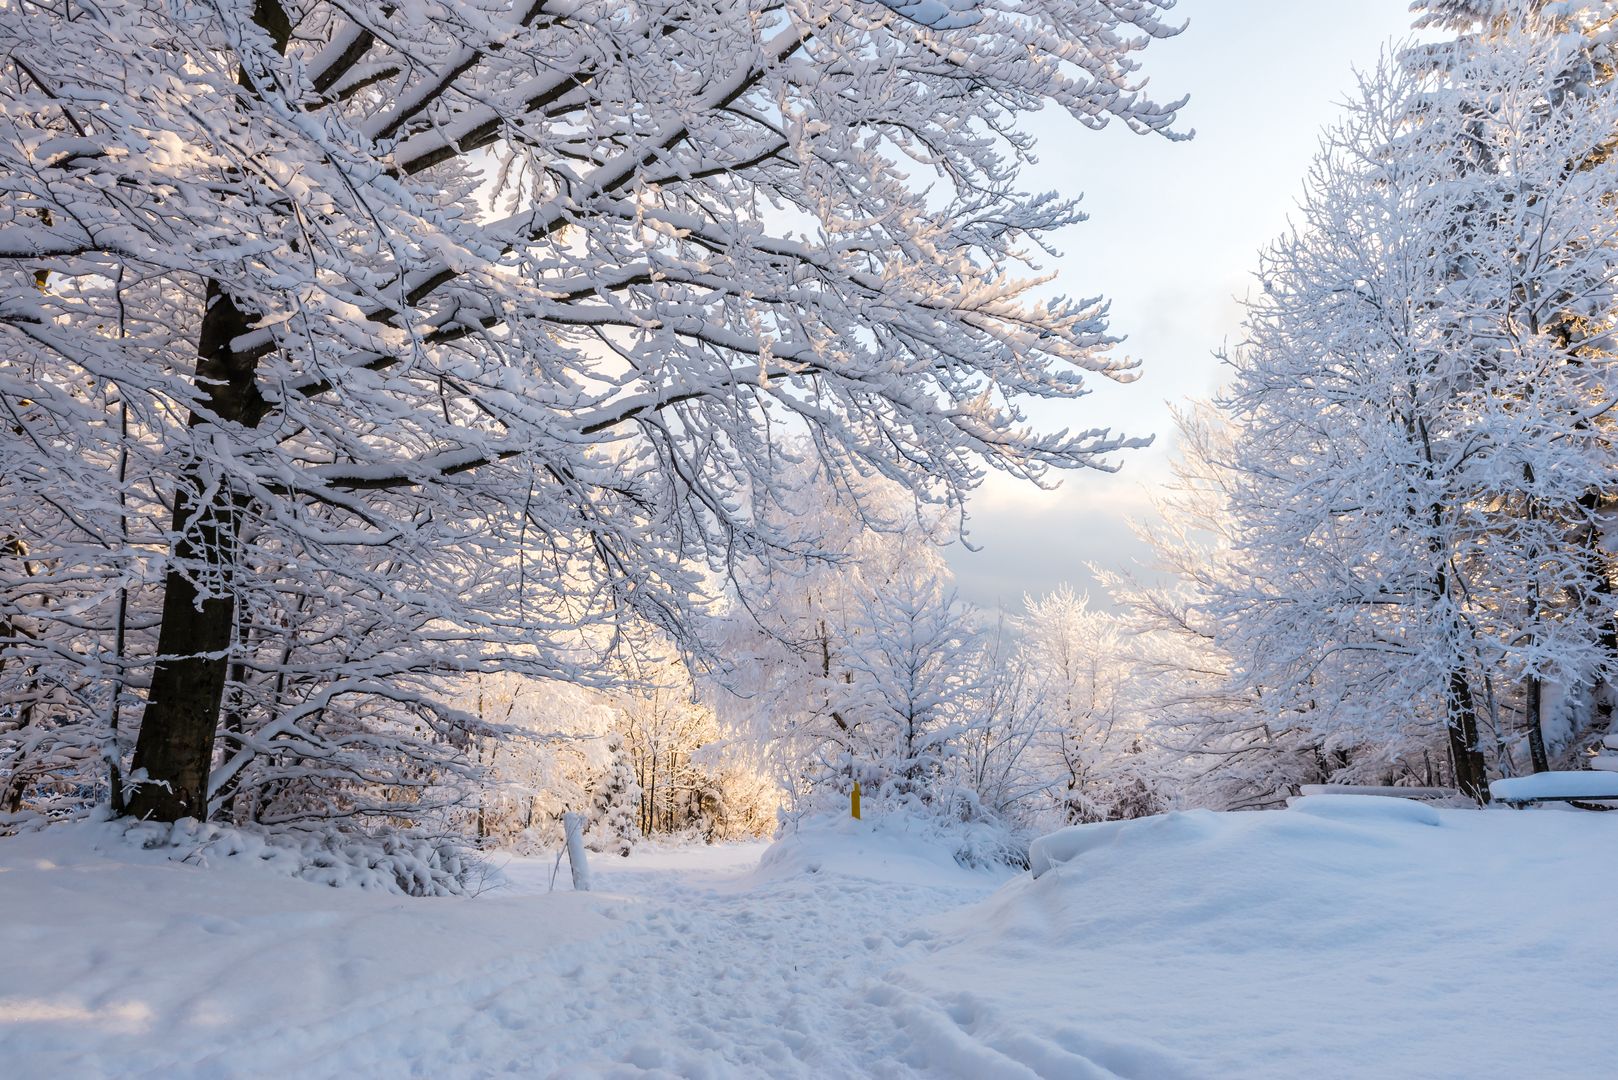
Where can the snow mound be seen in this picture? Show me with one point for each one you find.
(891, 847)
(1184, 827)
(1341, 937)
(125, 961)
(1365, 808)
(1067, 844)
(1554, 785)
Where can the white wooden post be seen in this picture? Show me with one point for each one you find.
(573, 825)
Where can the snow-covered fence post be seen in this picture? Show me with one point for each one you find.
(573, 826)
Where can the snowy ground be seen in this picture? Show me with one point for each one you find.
(1340, 938)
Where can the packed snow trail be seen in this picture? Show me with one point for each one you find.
(770, 972)
(797, 969)
(691, 964)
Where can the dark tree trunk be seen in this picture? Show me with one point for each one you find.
(1605, 697)
(176, 742)
(1534, 691)
(1535, 698)
(1598, 568)
(177, 729)
(175, 746)
(1471, 773)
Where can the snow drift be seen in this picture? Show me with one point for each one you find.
(1345, 936)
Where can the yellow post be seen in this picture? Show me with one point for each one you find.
(854, 801)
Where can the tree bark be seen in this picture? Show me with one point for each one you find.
(1535, 698)
(1534, 691)
(1598, 569)
(174, 751)
(1471, 773)
(177, 729)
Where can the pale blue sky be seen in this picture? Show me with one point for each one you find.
(1172, 239)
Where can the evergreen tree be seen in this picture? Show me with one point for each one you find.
(615, 803)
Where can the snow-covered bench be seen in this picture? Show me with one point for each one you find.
(1568, 787)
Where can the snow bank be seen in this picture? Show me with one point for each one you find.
(127, 961)
(1341, 937)
(1066, 844)
(1365, 808)
(885, 847)
(1553, 785)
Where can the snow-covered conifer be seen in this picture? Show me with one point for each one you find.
(615, 803)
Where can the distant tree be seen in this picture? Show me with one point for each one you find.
(1093, 736)
(615, 802)
(1219, 742)
(548, 748)
(866, 668)
(911, 657)
(662, 726)
(999, 753)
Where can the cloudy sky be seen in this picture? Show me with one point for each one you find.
(1172, 240)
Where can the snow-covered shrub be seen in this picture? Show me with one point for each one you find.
(390, 860)
(615, 803)
(901, 831)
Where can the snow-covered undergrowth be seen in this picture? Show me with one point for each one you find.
(1342, 937)
(387, 859)
(889, 843)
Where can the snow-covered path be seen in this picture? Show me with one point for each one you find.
(723, 971)
(694, 963)
(1346, 937)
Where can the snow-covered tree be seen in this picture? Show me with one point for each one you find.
(1092, 734)
(999, 754)
(1423, 405)
(866, 668)
(407, 340)
(829, 662)
(615, 802)
(911, 653)
(1215, 739)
